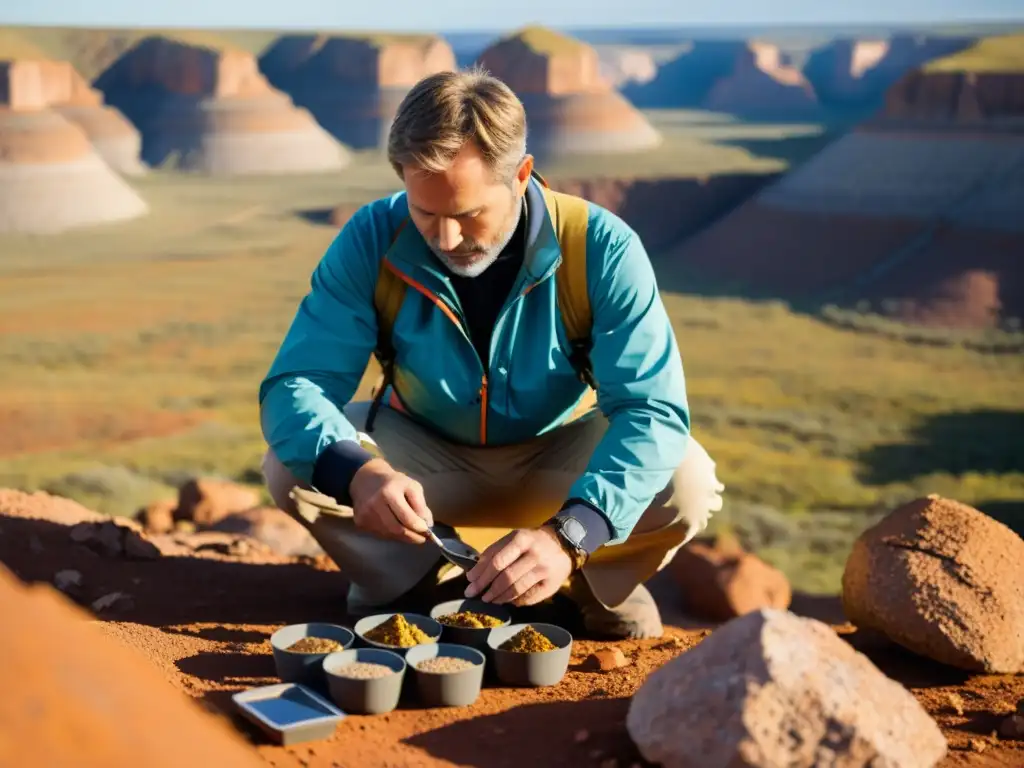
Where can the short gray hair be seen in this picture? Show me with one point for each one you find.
(445, 110)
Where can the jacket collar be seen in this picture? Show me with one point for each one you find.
(410, 253)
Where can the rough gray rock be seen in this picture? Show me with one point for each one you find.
(770, 689)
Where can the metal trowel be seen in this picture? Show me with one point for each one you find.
(311, 504)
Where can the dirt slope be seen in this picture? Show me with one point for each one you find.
(202, 618)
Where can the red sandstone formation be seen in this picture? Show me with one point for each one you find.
(36, 84)
(686, 79)
(210, 109)
(917, 214)
(73, 696)
(762, 82)
(620, 64)
(959, 97)
(569, 106)
(860, 71)
(353, 85)
(52, 179)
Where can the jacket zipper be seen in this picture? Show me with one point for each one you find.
(451, 316)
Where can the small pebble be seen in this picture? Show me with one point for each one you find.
(581, 735)
(978, 745)
(607, 659)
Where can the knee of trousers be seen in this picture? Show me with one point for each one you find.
(279, 481)
(695, 492)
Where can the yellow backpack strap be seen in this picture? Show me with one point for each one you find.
(569, 217)
(387, 300)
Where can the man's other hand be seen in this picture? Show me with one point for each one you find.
(524, 567)
(389, 504)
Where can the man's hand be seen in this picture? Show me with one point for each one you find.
(389, 504)
(524, 567)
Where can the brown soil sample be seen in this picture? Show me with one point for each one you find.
(443, 664)
(528, 640)
(315, 645)
(364, 670)
(470, 620)
(398, 632)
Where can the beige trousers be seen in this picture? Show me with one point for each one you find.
(484, 492)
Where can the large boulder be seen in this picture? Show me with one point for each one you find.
(770, 689)
(73, 696)
(943, 580)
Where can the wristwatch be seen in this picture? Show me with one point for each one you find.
(570, 533)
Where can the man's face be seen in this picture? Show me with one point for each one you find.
(465, 214)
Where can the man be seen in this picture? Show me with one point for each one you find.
(481, 428)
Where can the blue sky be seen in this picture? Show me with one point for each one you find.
(453, 15)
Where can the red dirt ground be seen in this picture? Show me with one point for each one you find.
(204, 620)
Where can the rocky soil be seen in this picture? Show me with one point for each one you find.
(199, 605)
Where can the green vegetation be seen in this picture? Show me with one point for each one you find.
(14, 46)
(547, 42)
(998, 55)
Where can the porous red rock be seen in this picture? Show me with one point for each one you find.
(206, 501)
(353, 84)
(769, 689)
(569, 106)
(943, 580)
(73, 696)
(719, 583)
(158, 517)
(280, 532)
(210, 109)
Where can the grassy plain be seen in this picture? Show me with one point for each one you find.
(131, 356)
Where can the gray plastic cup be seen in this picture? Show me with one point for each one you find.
(537, 669)
(305, 668)
(447, 689)
(367, 696)
(430, 627)
(474, 638)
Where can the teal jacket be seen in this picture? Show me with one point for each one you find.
(530, 388)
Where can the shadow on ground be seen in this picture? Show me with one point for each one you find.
(981, 441)
(510, 738)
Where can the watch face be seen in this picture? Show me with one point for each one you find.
(574, 531)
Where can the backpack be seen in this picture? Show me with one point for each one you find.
(569, 217)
